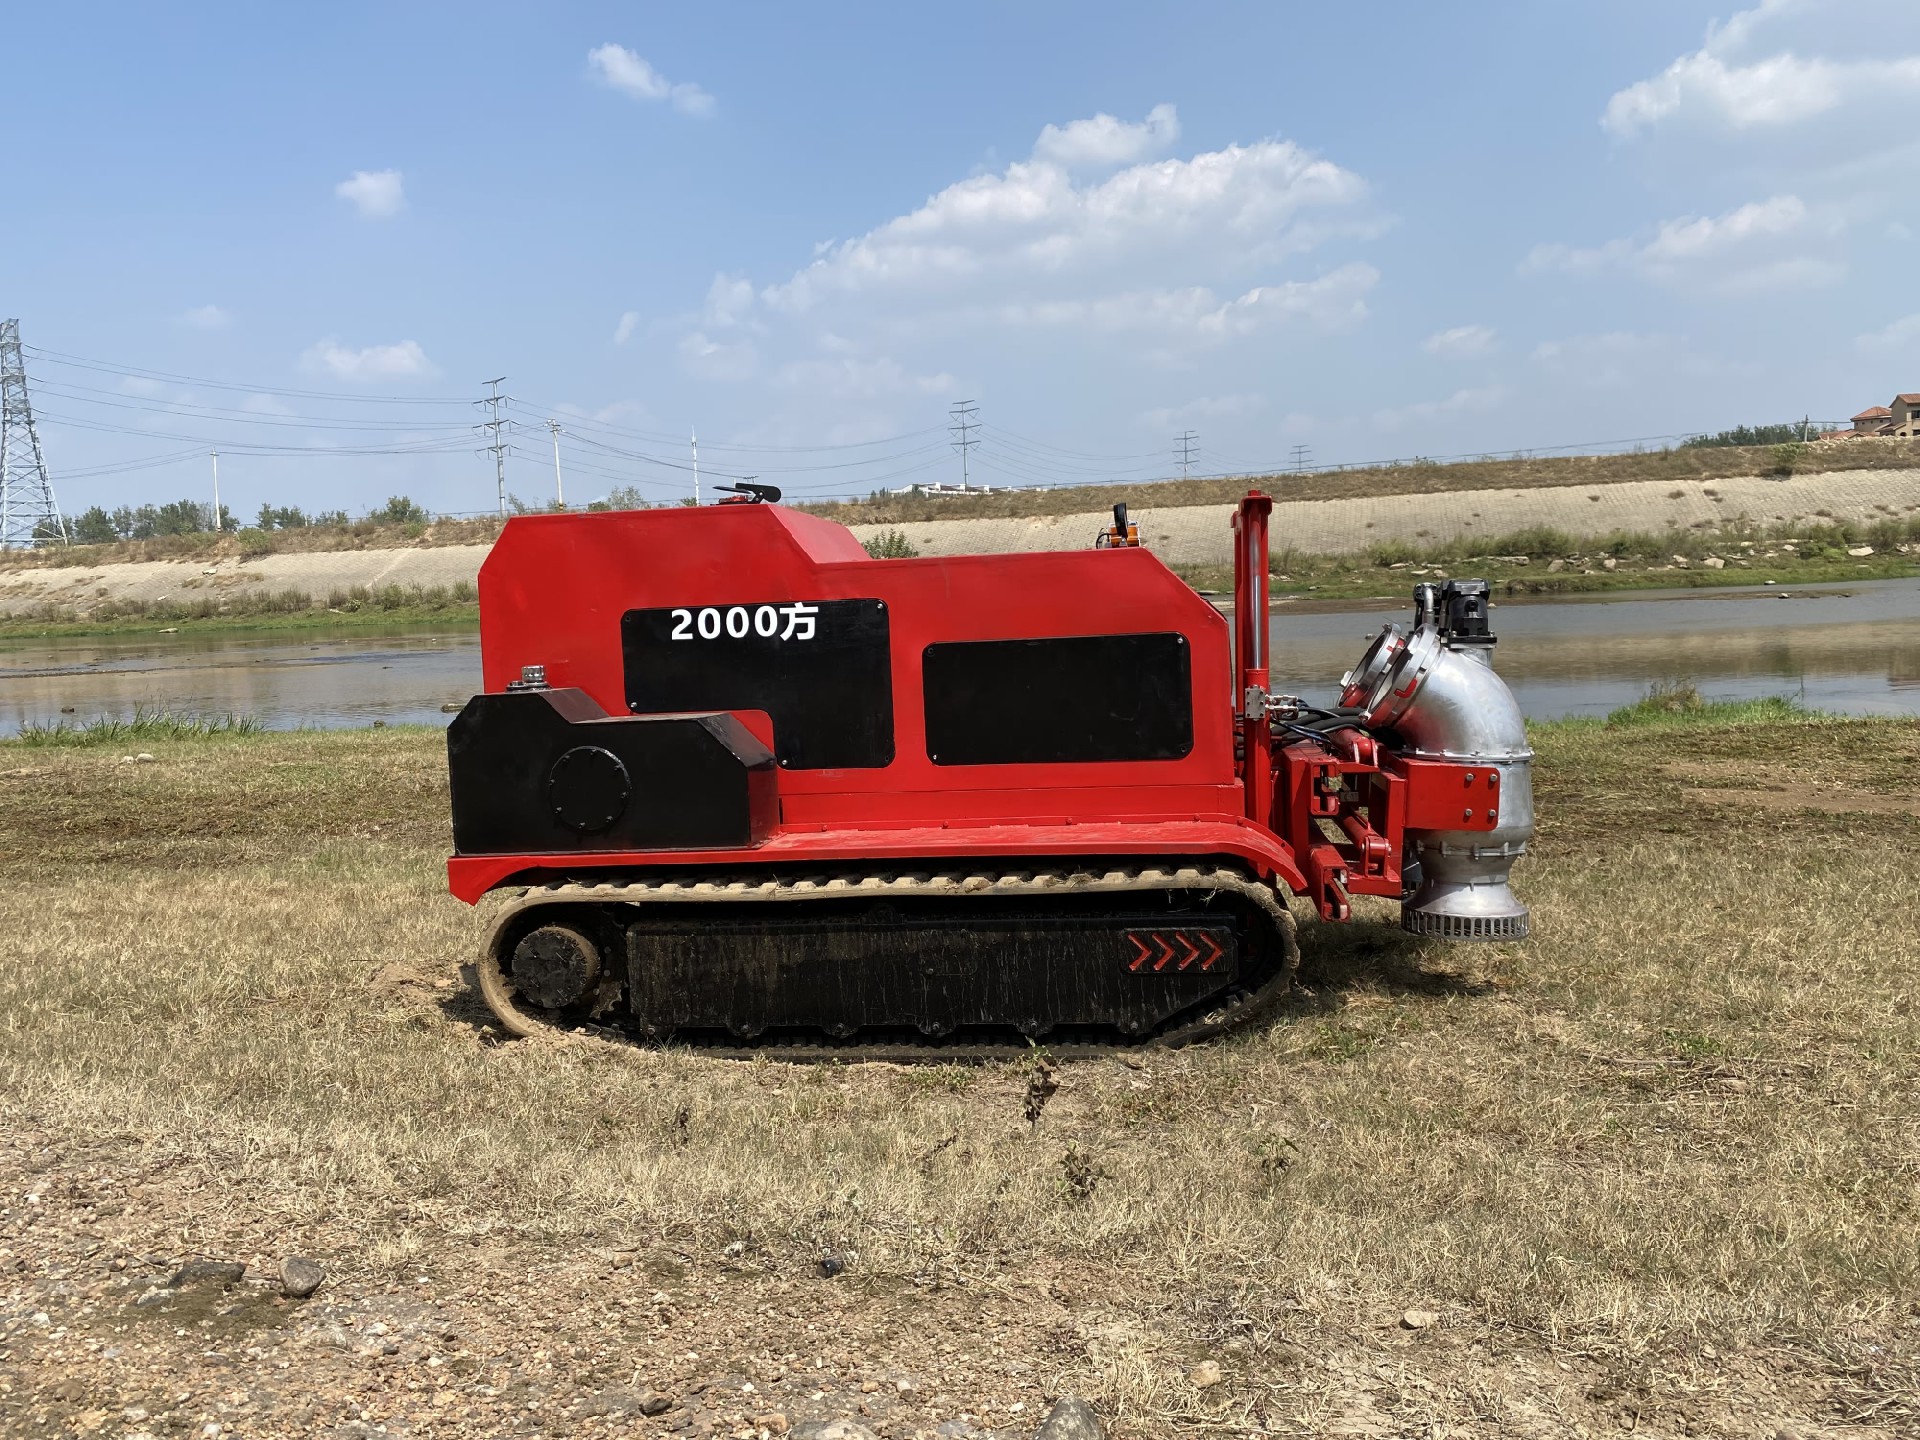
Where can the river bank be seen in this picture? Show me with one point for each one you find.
(1568, 1179)
(1801, 530)
(1852, 648)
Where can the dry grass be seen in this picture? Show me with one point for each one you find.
(1672, 1137)
(1415, 478)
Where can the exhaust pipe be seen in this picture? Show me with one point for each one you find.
(1436, 692)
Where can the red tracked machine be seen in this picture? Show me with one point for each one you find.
(764, 790)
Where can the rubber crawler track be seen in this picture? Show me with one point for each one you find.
(1237, 1008)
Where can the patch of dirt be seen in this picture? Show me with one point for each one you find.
(490, 1330)
(1780, 788)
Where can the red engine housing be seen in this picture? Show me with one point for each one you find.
(557, 590)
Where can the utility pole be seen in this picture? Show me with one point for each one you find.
(28, 511)
(559, 490)
(1302, 457)
(962, 430)
(693, 438)
(216, 491)
(1188, 446)
(494, 428)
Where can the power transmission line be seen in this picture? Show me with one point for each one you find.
(494, 428)
(1185, 448)
(1301, 457)
(559, 489)
(962, 430)
(28, 512)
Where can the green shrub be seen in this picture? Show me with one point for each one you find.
(890, 545)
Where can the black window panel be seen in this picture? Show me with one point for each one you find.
(1042, 702)
(830, 694)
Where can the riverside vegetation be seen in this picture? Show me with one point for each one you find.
(1652, 1169)
(1537, 561)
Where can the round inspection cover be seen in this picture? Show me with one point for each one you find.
(555, 966)
(589, 788)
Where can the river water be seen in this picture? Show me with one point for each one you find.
(1848, 648)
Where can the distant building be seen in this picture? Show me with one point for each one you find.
(1900, 420)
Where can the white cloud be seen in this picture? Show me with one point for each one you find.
(1207, 407)
(1707, 238)
(1197, 315)
(402, 361)
(1902, 334)
(1796, 92)
(1726, 85)
(1461, 342)
(1034, 227)
(206, 317)
(708, 359)
(1584, 350)
(1461, 402)
(1636, 363)
(845, 377)
(729, 301)
(1103, 141)
(1756, 249)
(621, 68)
(377, 194)
(629, 322)
(1105, 250)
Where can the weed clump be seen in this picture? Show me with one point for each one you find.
(143, 724)
(1669, 702)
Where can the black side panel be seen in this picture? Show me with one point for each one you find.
(546, 771)
(1044, 702)
(932, 969)
(821, 669)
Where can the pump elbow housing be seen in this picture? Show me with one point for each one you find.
(1437, 694)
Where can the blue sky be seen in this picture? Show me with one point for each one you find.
(1400, 230)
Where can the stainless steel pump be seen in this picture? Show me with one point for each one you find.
(1435, 688)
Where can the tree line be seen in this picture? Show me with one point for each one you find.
(1799, 431)
(98, 525)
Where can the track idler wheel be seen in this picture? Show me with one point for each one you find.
(553, 972)
(555, 966)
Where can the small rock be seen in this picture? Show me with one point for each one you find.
(1071, 1419)
(774, 1424)
(652, 1402)
(152, 1297)
(126, 759)
(1554, 567)
(1714, 562)
(1206, 1374)
(451, 709)
(143, 758)
(1419, 1319)
(735, 1250)
(1859, 552)
(868, 1387)
(833, 1430)
(299, 1278)
(1680, 562)
(832, 1265)
(207, 1272)
(1610, 563)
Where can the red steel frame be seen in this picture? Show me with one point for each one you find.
(554, 588)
